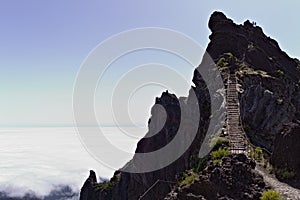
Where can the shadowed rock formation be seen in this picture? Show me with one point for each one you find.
(269, 99)
(235, 178)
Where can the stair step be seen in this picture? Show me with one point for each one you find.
(234, 129)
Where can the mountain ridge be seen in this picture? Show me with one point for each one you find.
(269, 94)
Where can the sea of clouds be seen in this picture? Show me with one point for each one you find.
(50, 163)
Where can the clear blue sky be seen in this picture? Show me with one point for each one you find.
(43, 43)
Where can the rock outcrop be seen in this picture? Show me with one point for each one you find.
(285, 158)
(87, 190)
(269, 97)
(235, 178)
(269, 87)
(133, 185)
(269, 78)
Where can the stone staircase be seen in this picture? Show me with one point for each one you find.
(235, 132)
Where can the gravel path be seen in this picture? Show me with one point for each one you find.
(288, 192)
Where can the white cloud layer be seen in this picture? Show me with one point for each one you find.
(40, 160)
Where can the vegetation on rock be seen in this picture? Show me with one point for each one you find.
(188, 178)
(271, 195)
(219, 154)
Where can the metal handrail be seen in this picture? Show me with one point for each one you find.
(247, 138)
(243, 130)
(153, 185)
(251, 144)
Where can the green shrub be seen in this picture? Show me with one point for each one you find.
(188, 178)
(103, 186)
(222, 64)
(218, 155)
(221, 61)
(228, 54)
(251, 154)
(271, 195)
(219, 141)
(242, 65)
(285, 174)
(261, 72)
(258, 152)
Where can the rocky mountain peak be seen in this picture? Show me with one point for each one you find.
(218, 20)
(249, 44)
(268, 95)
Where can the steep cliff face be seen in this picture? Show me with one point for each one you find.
(267, 104)
(269, 78)
(269, 98)
(269, 88)
(285, 157)
(133, 185)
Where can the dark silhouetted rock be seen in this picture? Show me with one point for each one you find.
(87, 191)
(285, 157)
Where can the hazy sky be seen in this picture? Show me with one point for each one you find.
(43, 43)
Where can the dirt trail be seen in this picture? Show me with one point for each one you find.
(288, 192)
